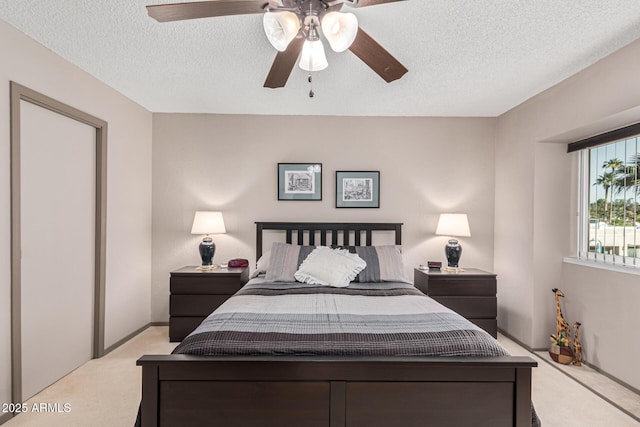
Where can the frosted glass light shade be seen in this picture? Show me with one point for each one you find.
(340, 29)
(454, 225)
(313, 57)
(280, 28)
(206, 222)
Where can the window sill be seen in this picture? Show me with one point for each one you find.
(626, 269)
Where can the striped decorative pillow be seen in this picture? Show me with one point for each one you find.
(384, 264)
(284, 261)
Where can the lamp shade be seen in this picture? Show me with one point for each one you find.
(280, 28)
(313, 57)
(340, 29)
(454, 225)
(207, 222)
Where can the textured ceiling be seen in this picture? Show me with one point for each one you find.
(465, 57)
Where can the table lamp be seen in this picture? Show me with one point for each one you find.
(206, 222)
(453, 225)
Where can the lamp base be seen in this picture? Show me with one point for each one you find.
(207, 250)
(453, 250)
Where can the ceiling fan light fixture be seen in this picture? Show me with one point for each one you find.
(290, 26)
(280, 28)
(340, 29)
(313, 57)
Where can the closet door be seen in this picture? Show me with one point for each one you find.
(57, 221)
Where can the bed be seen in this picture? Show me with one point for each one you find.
(242, 367)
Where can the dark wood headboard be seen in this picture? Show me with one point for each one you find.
(334, 229)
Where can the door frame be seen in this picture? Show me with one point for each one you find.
(22, 93)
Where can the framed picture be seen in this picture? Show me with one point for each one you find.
(357, 189)
(299, 181)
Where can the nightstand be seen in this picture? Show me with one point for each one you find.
(470, 293)
(195, 294)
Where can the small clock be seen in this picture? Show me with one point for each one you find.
(434, 265)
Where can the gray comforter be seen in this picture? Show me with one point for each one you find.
(364, 319)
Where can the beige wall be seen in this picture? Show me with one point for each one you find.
(535, 216)
(128, 184)
(229, 163)
(607, 307)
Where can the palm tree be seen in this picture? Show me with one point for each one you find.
(607, 181)
(616, 165)
(631, 176)
(631, 180)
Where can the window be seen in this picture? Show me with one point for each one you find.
(610, 194)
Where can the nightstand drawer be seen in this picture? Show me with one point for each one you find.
(461, 286)
(194, 285)
(470, 307)
(470, 293)
(195, 294)
(195, 305)
(180, 327)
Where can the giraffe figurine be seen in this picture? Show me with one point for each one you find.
(577, 347)
(561, 325)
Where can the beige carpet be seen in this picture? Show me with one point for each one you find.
(106, 392)
(562, 401)
(102, 393)
(602, 385)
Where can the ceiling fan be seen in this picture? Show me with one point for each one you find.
(293, 27)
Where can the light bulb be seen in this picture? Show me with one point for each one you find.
(313, 57)
(280, 28)
(340, 29)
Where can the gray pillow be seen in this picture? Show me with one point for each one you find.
(384, 264)
(284, 261)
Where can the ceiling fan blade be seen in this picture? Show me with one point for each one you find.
(204, 9)
(377, 57)
(365, 3)
(283, 64)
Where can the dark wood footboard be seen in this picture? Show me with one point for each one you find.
(181, 390)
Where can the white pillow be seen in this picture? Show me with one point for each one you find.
(330, 267)
(261, 265)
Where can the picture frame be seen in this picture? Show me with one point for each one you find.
(300, 181)
(357, 189)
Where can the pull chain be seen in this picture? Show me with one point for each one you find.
(310, 77)
(311, 92)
